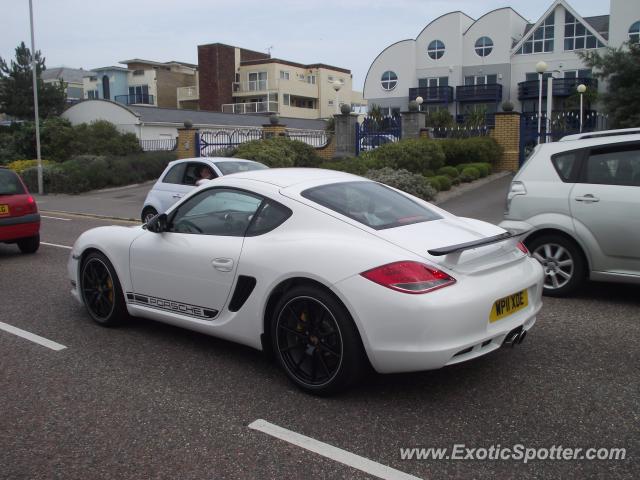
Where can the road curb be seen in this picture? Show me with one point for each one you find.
(460, 190)
(92, 215)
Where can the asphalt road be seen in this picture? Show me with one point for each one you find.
(148, 400)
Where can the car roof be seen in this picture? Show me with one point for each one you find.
(555, 147)
(286, 177)
(211, 159)
(600, 134)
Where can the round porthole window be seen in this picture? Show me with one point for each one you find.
(389, 80)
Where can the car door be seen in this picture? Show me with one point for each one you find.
(604, 206)
(190, 268)
(171, 187)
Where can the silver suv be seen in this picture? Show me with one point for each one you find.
(582, 198)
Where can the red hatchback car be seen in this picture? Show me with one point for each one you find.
(19, 217)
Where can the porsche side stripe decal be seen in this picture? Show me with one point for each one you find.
(195, 311)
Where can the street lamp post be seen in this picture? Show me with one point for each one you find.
(541, 67)
(337, 85)
(35, 100)
(419, 101)
(581, 89)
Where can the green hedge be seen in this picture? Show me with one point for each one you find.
(60, 140)
(483, 168)
(414, 184)
(449, 171)
(444, 181)
(279, 152)
(421, 156)
(471, 150)
(90, 172)
(469, 174)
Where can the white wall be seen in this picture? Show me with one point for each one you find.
(624, 13)
(92, 110)
(155, 132)
(399, 58)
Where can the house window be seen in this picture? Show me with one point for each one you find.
(435, 50)
(257, 81)
(634, 32)
(284, 75)
(311, 79)
(433, 82)
(286, 99)
(582, 73)
(542, 38)
(331, 103)
(138, 73)
(93, 79)
(389, 80)
(93, 95)
(576, 35)
(484, 46)
(139, 94)
(480, 79)
(534, 76)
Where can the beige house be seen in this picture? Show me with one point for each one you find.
(236, 80)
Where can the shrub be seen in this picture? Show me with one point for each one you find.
(434, 182)
(469, 174)
(412, 183)
(471, 150)
(483, 168)
(90, 172)
(279, 152)
(20, 166)
(353, 165)
(444, 181)
(449, 171)
(415, 155)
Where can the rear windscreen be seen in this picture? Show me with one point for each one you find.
(9, 183)
(370, 203)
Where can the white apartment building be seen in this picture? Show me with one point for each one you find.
(463, 64)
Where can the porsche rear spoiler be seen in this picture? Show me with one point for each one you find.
(438, 252)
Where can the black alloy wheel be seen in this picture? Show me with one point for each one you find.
(101, 291)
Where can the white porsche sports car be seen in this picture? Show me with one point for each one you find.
(324, 269)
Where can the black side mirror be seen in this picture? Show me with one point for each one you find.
(158, 224)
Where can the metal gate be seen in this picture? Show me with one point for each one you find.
(210, 143)
(376, 131)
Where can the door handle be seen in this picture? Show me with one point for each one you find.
(177, 195)
(588, 198)
(222, 264)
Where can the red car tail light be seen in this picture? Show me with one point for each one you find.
(32, 207)
(409, 277)
(521, 246)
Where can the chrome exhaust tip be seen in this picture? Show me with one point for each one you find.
(512, 338)
(521, 337)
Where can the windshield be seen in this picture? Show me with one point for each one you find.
(228, 168)
(370, 203)
(9, 183)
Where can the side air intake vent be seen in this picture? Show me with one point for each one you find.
(244, 287)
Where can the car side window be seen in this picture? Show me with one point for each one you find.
(613, 166)
(193, 172)
(216, 211)
(175, 174)
(564, 164)
(270, 216)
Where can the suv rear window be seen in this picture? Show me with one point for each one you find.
(564, 164)
(10, 183)
(370, 203)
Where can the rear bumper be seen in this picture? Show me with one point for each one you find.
(16, 228)
(403, 333)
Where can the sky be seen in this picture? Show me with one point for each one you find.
(343, 33)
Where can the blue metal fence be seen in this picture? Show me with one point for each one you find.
(220, 142)
(374, 132)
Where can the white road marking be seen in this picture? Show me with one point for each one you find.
(329, 451)
(56, 218)
(55, 245)
(45, 342)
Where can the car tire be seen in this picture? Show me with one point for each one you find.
(565, 267)
(316, 341)
(147, 214)
(29, 245)
(101, 291)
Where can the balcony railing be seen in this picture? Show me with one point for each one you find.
(254, 86)
(490, 92)
(136, 99)
(251, 107)
(432, 94)
(562, 87)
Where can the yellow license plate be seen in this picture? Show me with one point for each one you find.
(4, 210)
(503, 307)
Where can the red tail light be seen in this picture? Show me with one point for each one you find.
(31, 205)
(521, 246)
(409, 277)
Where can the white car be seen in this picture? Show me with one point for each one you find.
(581, 196)
(325, 269)
(180, 177)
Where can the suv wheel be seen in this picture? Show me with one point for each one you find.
(563, 263)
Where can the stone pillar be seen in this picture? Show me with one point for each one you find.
(345, 135)
(186, 147)
(274, 130)
(412, 123)
(507, 134)
(329, 150)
